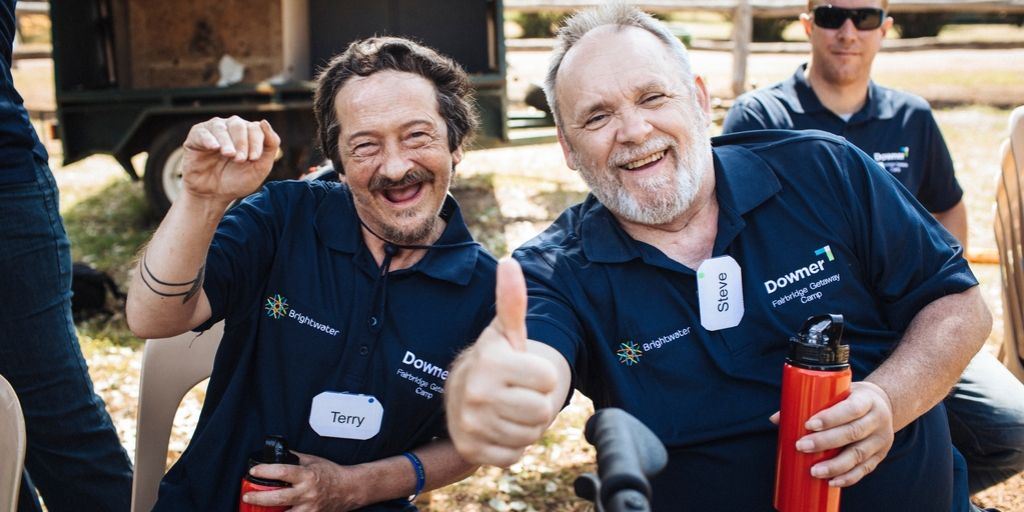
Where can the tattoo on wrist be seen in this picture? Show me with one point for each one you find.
(194, 285)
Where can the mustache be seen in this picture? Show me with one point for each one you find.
(626, 155)
(418, 175)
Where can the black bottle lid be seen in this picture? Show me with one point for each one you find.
(817, 346)
(274, 451)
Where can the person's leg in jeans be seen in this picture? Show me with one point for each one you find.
(74, 457)
(961, 496)
(986, 421)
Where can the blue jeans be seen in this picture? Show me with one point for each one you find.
(986, 421)
(74, 457)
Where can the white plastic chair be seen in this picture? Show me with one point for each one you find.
(12, 446)
(170, 368)
(1009, 227)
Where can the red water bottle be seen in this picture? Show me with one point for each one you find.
(274, 451)
(816, 376)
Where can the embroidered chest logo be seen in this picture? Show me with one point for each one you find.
(803, 287)
(827, 251)
(424, 386)
(629, 353)
(801, 273)
(894, 161)
(276, 306)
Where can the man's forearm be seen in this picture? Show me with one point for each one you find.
(955, 221)
(395, 477)
(936, 347)
(165, 297)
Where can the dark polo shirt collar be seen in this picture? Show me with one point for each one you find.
(800, 98)
(452, 257)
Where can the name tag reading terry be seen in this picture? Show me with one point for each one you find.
(345, 415)
(720, 290)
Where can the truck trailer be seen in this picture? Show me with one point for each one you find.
(133, 75)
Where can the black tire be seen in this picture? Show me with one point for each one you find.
(769, 30)
(162, 179)
(913, 25)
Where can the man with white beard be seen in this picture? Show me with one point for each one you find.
(671, 292)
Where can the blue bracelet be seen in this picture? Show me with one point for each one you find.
(421, 474)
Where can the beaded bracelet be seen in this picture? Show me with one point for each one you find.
(421, 474)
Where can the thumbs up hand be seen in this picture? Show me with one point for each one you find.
(504, 391)
(510, 304)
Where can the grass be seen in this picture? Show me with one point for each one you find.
(939, 79)
(107, 228)
(34, 28)
(982, 33)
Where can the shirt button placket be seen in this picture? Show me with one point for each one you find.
(374, 324)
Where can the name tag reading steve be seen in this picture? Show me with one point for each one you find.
(720, 290)
(345, 415)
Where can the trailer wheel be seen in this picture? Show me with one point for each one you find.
(163, 168)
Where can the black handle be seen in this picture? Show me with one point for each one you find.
(627, 454)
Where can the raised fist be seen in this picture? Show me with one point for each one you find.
(226, 159)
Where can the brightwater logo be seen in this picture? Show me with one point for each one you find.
(629, 353)
(276, 306)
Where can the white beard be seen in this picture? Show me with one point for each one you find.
(664, 197)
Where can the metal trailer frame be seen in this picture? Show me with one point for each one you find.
(105, 118)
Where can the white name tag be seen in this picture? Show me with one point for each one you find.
(720, 290)
(345, 415)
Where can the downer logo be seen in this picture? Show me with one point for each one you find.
(894, 156)
(799, 274)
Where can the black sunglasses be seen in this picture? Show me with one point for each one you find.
(868, 18)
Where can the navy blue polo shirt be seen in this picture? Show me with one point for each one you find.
(816, 227)
(307, 311)
(895, 128)
(18, 140)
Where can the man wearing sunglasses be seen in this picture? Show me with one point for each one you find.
(834, 93)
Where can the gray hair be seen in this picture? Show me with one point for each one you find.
(620, 15)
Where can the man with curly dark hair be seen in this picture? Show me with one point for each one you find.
(344, 303)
